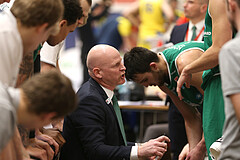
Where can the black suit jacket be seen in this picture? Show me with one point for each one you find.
(178, 33)
(92, 131)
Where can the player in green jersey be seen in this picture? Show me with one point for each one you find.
(217, 32)
(163, 69)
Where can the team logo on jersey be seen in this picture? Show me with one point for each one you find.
(207, 33)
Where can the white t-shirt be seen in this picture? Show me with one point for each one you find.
(11, 48)
(50, 54)
(230, 74)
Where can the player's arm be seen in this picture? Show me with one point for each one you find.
(192, 118)
(221, 33)
(235, 98)
(187, 58)
(46, 67)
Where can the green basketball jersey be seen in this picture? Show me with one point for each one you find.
(191, 95)
(208, 31)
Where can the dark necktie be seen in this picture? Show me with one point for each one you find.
(119, 117)
(194, 28)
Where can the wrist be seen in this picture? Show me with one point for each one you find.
(187, 70)
(139, 152)
(202, 145)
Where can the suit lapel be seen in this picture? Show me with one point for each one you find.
(104, 95)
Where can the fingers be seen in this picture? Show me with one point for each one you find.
(182, 156)
(55, 134)
(160, 153)
(184, 152)
(49, 140)
(157, 153)
(47, 148)
(184, 78)
(179, 86)
(37, 152)
(163, 138)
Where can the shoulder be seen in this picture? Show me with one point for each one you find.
(230, 50)
(188, 56)
(50, 54)
(182, 26)
(91, 93)
(9, 30)
(9, 21)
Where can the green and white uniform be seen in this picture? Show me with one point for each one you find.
(191, 95)
(213, 105)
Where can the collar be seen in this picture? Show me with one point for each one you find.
(168, 68)
(199, 25)
(109, 94)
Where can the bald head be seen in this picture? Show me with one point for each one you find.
(100, 55)
(105, 66)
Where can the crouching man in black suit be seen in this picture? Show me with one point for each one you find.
(94, 131)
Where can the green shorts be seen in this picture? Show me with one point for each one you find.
(213, 111)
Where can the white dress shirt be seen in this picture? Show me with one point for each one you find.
(199, 27)
(134, 151)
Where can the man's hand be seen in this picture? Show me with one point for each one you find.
(43, 151)
(36, 152)
(58, 124)
(197, 153)
(184, 152)
(49, 140)
(184, 78)
(154, 148)
(55, 134)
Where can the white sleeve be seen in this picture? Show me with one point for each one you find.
(134, 153)
(7, 117)
(50, 54)
(10, 57)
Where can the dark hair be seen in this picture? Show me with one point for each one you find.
(137, 60)
(72, 11)
(49, 92)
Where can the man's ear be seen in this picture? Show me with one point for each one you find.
(97, 73)
(63, 23)
(153, 66)
(203, 8)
